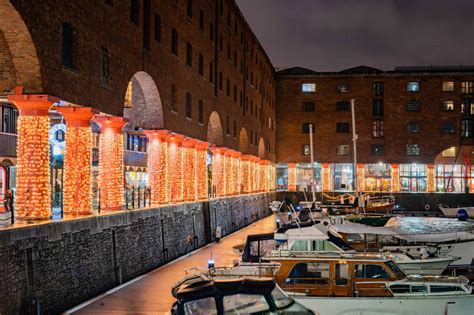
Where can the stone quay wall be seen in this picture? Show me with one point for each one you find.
(54, 266)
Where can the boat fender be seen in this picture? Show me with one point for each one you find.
(427, 207)
(462, 215)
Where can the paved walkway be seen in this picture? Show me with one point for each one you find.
(151, 293)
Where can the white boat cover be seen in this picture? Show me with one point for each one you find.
(306, 233)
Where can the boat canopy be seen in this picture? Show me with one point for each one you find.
(355, 228)
(307, 233)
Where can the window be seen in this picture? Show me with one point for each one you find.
(377, 107)
(448, 105)
(341, 274)
(200, 112)
(128, 95)
(305, 149)
(419, 289)
(235, 93)
(342, 127)
(434, 288)
(370, 271)
(342, 106)
(447, 127)
(221, 43)
(174, 41)
(342, 149)
(227, 87)
(448, 86)
(211, 32)
(343, 88)
(10, 116)
(413, 177)
(220, 80)
(157, 28)
(243, 304)
(466, 128)
(189, 108)
(134, 11)
(467, 106)
(146, 24)
(377, 88)
(105, 65)
(189, 9)
(413, 127)
(201, 306)
(68, 45)
(227, 125)
(377, 128)
(201, 20)
(306, 126)
(201, 64)
(449, 152)
(189, 54)
(413, 106)
(234, 129)
(309, 273)
(413, 86)
(378, 149)
(211, 72)
(174, 106)
(308, 87)
(413, 149)
(308, 107)
(467, 87)
(400, 288)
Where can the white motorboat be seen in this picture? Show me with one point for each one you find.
(452, 212)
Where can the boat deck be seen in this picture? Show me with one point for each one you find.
(151, 293)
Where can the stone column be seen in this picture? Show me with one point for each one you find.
(430, 178)
(33, 190)
(157, 165)
(175, 167)
(326, 177)
(111, 175)
(218, 171)
(292, 176)
(77, 186)
(189, 169)
(360, 173)
(395, 177)
(202, 189)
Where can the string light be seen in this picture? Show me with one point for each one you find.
(292, 176)
(395, 177)
(189, 171)
(360, 177)
(325, 177)
(245, 173)
(218, 171)
(111, 175)
(33, 191)
(236, 172)
(157, 165)
(430, 178)
(175, 167)
(201, 170)
(77, 187)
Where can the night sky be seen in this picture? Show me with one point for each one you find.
(332, 35)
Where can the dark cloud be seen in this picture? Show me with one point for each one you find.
(330, 35)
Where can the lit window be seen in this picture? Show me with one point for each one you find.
(413, 149)
(413, 86)
(466, 128)
(128, 96)
(377, 88)
(450, 152)
(342, 149)
(305, 150)
(467, 87)
(413, 127)
(343, 88)
(377, 128)
(308, 87)
(467, 106)
(448, 86)
(448, 105)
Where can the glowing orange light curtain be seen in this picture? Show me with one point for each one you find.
(325, 177)
(218, 171)
(157, 165)
(77, 187)
(292, 177)
(430, 178)
(111, 175)
(189, 172)
(245, 173)
(175, 167)
(395, 177)
(33, 191)
(201, 170)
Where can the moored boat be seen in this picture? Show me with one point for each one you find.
(453, 212)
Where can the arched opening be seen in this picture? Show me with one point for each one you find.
(19, 57)
(142, 104)
(214, 130)
(243, 140)
(261, 148)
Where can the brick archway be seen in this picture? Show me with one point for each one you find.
(243, 141)
(261, 148)
(18, 54)
(214, 130)
(142, 105)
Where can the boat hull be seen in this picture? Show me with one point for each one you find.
(433, 305)
(422, 267)
(452, 212)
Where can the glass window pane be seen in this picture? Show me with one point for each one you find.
(245, 304)
(205, 306)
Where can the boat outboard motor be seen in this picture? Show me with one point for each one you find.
(462, 215)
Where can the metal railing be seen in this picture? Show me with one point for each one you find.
(137, 197)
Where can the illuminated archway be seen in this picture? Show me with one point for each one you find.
(142, 104)
(243, 140)
(214, 130)
(20, 55)
(261, 148)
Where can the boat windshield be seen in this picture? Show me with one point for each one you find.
(396, 270)
(280, 298)
(245, 304)
(206, 306)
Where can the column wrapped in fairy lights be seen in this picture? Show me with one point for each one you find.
(33, 191)
(245, 173)
(201, 171)
(291, 177)
(175, 167)
(360, 177)
(218, 171)
(272, 177)
(261, 175)
(229, 179)
(157, 165)
(326, 177)
(189, 169)
(236, 172)
(77, 187)
(255, 173)
(111, 175)
(395, 177)
(430, 178)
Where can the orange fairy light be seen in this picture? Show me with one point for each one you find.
(77, 185)
(236, 172)
(245, 173)
(189, 169)
(175, 167)
(292, 177)
(33, 191)
(157, 165)
(201, 170)
(255, 172)
(430, 178)
(111, 177)
(218, 171)
(360, 177)
(263, 169)
(395, 177)
(230, 171)
(325, 177)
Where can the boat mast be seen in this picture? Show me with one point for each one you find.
(354, 141)
(313, 193)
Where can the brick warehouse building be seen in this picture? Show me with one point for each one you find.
(410, 124)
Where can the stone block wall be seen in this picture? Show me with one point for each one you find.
(61, 264)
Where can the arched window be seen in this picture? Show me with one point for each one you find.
(174, 41)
